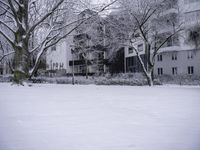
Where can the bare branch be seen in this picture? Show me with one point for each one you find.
(4, 3)
(7, 26)
(7, 10)
(139, 58)
(45, 16)
(3, 13)
(17, 3)
(7, 54)
(170, 36)
(13, 10)
(7, 38)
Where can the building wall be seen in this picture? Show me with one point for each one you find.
(62, 54)
(184, 60)
(57, 58)
(189, 12)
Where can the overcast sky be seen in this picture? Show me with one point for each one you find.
(100, 1)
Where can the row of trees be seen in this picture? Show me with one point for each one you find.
(144, 20)
(30, 27)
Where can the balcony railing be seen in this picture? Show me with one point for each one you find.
(90, 62)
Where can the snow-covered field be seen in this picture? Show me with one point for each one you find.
(66, 117)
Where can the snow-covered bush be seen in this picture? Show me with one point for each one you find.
(6, 78)
(115, 79)
(133, 79)
(180, 79)
(107, 79)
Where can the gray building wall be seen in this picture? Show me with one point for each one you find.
(184, 60)
(189, 11)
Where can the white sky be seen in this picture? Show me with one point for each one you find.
(100, 1)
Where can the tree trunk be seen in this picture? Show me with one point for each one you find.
(21, 58)
(73, 69)
(149, 80)
(147, 69)
(21, 44)
(21, 65)
(149, 65)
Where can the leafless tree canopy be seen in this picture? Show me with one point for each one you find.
(144, 20)
(30, 27)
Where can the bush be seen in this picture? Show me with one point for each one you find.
(106, 79)
(6, 78)
(131, 79)
(180, 79)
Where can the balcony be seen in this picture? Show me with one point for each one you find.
(190, 6)
(76, 62)
(90, 62)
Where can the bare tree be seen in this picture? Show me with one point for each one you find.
(26, 20)
(145, 21)
(21, 27)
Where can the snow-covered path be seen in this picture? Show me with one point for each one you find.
(66, 117)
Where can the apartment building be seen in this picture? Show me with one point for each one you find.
(77, 53)
(58, 56)
(177, 56)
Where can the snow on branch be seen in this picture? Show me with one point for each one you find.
(47, 36)
(80, 23)
(7, 26)
(6, 11)
(45, 16)
(4, 3)
(10, 5)
(7, 54)
(7, 38)
(41, 51)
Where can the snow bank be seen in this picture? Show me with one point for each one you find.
(66, 117)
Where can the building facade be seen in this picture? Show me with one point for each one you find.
(78, 53)
(177, 56)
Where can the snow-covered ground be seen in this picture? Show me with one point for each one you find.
(66, 117)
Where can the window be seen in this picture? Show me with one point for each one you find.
(160, 71)
(53, 48)
(190, 55)
(130, 50)
(100, 56)
(159, 57)
(190, 70)
(82, 69)
(140, 47)
(47, 67)
(54, 66)
(61, 65)
(174, 70)
(101, 68)
(191, 1)
(174, 56)
(1, 71)
(171, 41)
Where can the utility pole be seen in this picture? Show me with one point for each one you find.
(72, 51)
(104, 45)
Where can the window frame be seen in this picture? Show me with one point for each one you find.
(160, 71)
(174, 70)
(130, 50)
(159, 58)
(190, 70)
(174, 56)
